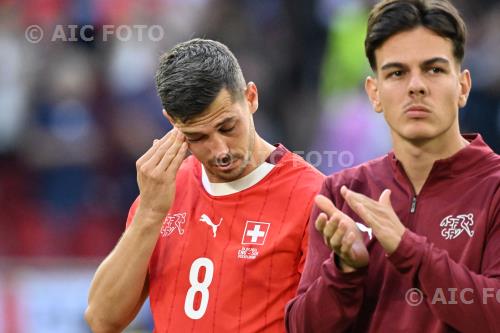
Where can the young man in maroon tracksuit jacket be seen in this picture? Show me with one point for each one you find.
(409, 242)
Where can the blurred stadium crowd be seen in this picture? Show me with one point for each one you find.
(75, 115)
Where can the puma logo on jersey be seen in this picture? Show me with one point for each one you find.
(207, 220)
(452, 227)
(364, 228)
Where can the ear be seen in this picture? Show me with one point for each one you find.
(371, 88)
(465, 83)
(252, 97)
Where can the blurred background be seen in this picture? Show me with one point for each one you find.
(78, 106)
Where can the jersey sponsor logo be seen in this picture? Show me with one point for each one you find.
(248, 253)
(255, 233)
(204, 218)
(453, 226)
(173, 222)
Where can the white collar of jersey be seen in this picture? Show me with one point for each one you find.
(219, 189)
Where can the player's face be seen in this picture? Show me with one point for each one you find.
(223, 136)
(418, 86)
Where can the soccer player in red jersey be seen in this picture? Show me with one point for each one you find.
(217, 240)
(425, 257)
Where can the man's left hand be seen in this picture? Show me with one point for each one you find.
(378, 215)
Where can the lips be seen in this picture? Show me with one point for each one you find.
(417, 111)
(225, 168)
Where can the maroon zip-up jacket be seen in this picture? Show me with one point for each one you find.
(445, 274)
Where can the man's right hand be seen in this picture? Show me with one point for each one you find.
(120, 284)
(341, 235)
(156, 172)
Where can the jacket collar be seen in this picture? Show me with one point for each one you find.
(465, 160)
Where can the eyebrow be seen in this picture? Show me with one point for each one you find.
(426, 63)
(219, 124)
(435, 60)
(225, 121)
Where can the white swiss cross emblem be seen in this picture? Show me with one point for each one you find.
(255, 233)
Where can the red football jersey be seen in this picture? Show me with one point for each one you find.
(230, 263)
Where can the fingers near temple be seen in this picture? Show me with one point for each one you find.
(177, 161)
(170, 151)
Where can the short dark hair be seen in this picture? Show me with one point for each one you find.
(191, 75)
(390, 17)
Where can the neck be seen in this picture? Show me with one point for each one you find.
(418, 157)
(261, 151)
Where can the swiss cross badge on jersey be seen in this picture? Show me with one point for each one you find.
(255, 233)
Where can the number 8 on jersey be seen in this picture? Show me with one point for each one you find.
(199, 286)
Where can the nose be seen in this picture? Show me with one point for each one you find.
(218, 146)
(416, 86)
